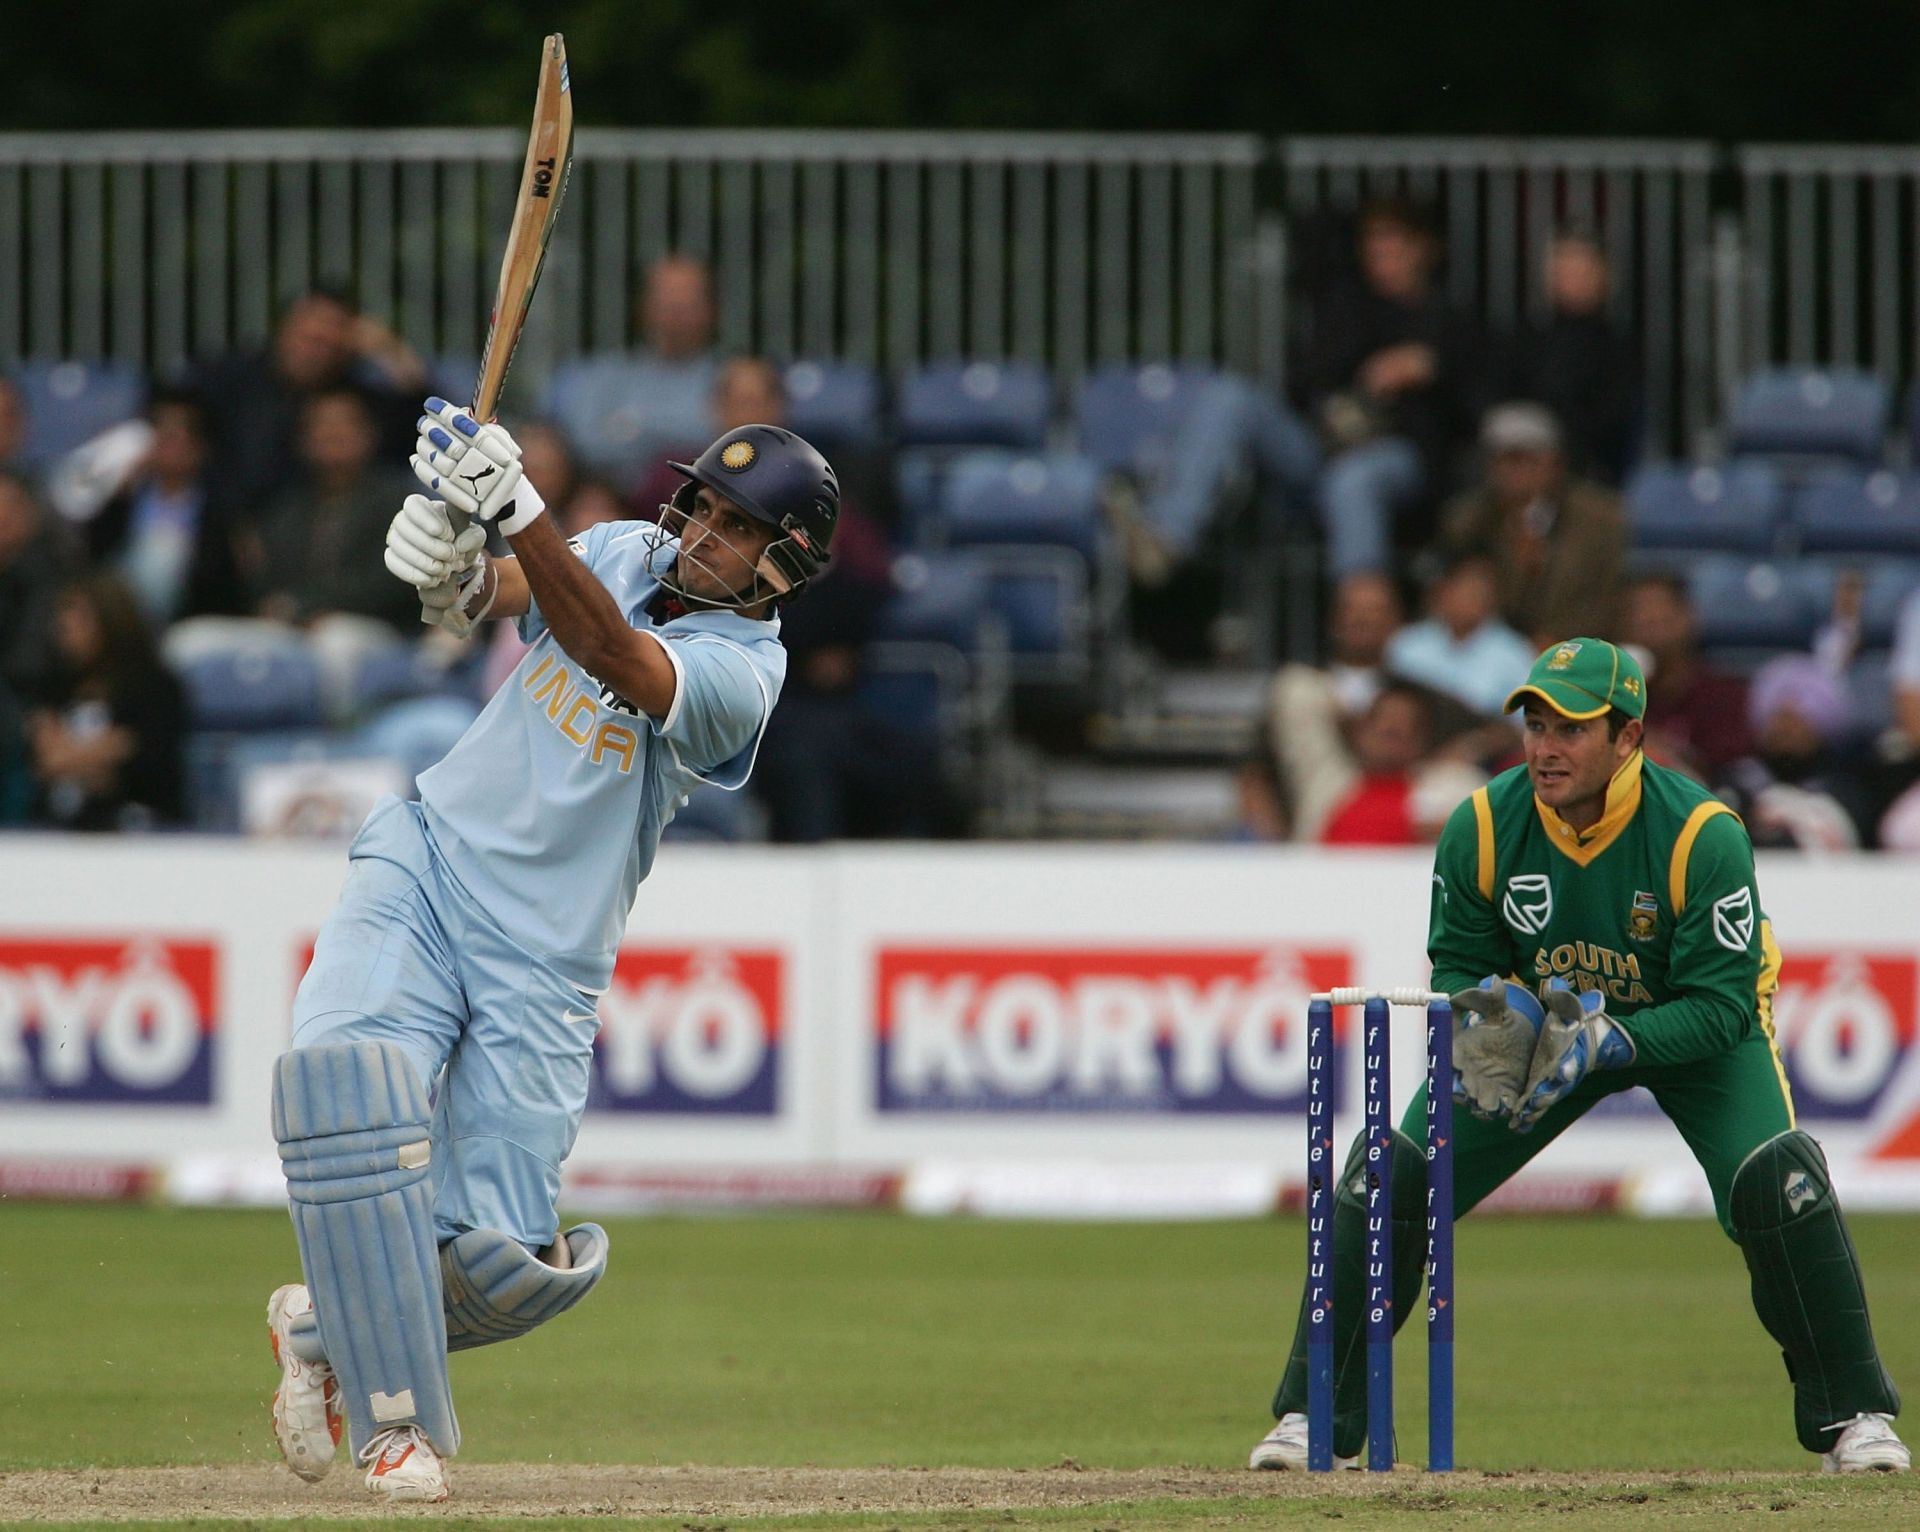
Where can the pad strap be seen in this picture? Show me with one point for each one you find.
(496, 1291)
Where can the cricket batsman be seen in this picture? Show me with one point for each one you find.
(443, 1035)
(1596, 920)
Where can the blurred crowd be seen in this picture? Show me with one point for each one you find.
(1460, 490)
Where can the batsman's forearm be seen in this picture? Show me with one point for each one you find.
(586, 621)
(578, 610)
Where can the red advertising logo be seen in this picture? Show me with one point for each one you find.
(1845, 1023)
(128, 1020)
(691, 1030)
(1097, 1030)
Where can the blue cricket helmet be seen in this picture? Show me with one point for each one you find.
(778, 478)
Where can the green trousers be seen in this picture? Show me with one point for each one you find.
(1725, 1107)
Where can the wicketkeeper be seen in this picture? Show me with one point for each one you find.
(1596, 920)
(443, 1037)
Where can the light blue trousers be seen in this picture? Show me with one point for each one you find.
(408, 958)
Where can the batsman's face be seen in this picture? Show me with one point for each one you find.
(720, 548)
(1571, 761)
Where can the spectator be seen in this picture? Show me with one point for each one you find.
(1312, 712)
(577, 500)
(1393, 375)
(321, 542)
(1462, 649)
(627, 412)
(34, 561)
(1696, 715)
(1234, 434)
(107, 747)
(36, 558)
(255, 398)
(828, 768)
(1579, 364)
(1557, 542)
(746, 391)
(1398, 793)
(548, 460)
(1904, 675)
(1798, 790)
(168, 533)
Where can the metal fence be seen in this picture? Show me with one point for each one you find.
(1831, 257)
(885, 248)
(888, 248)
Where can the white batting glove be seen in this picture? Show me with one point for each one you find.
(474, 468)
(422, 547)
(460, 603)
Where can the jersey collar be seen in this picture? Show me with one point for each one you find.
(1623, 800)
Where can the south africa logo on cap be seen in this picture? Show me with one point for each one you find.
(737, 455)
(1563, 656)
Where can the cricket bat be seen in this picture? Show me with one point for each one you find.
(535, 212)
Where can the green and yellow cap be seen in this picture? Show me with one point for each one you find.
(1582, 678)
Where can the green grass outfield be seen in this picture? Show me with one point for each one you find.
(1601, 1346)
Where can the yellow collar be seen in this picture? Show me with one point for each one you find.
(1623, 799)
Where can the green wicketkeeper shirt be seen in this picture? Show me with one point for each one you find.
(1655, 905)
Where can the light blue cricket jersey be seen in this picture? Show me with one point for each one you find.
(550, 807)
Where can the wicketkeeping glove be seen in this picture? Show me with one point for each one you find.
(474, 468)
(1578, 1038)
(1495, 1028)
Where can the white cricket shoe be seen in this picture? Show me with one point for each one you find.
(1867, 1445)
(1285, 1446)
(402, 1465)
(306, 1405)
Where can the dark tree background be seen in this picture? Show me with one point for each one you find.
(1842, 71)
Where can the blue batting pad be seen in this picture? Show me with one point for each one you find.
(352, 1123)
(496, 1291)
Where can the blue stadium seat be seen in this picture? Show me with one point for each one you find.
(1735, 509)
(1795, 412)
(1045, 605)
(835, 404)
(1889, 583)
(917, 689)
(1744, 602)
(940, 598)
(974, 404)
(69, 403)
(405, 671)
(1007, 497)
(244, 691)
(1127, 415)
(1845, 511)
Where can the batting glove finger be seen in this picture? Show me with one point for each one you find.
(493, 440)
(420, 545)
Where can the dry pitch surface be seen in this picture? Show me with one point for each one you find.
(965, 1496)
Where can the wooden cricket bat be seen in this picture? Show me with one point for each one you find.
(535, 212)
